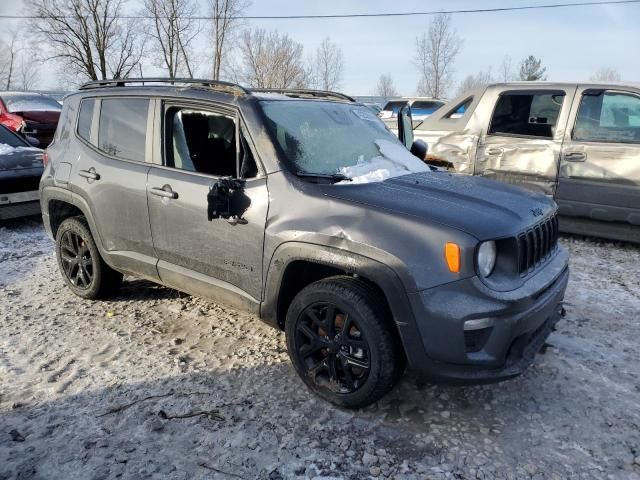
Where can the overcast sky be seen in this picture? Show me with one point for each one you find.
(572, 42)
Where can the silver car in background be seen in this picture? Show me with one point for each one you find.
(579, 143)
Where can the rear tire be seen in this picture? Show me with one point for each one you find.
(342, 341)
(80, 263)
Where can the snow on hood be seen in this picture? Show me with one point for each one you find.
(394, 160)
(9, 150)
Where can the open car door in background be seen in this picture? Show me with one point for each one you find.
(522, 142)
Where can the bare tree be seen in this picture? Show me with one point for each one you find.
(270, 60)
(28, 72)
(174, 31)
(327, 69)
(385, 87)
(9, 59)
(18, 63)
(480, 79)
(436, 51)
(606, 74)
(89, 36)
(225, 22)
(506, 69)
(531, 69)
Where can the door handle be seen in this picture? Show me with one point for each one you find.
(494, 151)
(90, 174)
(164, 192)
(575, 156)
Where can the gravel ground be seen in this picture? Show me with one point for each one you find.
(157, 384)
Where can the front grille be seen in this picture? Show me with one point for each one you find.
(536, 244)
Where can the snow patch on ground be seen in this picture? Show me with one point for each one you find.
(157, 384)
(394, 160)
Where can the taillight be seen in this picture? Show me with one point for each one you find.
(45, 158)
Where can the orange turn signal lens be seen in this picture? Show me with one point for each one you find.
(452, 256)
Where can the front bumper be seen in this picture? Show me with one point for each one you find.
(514, 325)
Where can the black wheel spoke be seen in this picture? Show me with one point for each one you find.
(67, 243)
(331, 364)
(356, 362)
(346, 325)
(315, 320)
(67, 258)
(329, 321)
(349, 379)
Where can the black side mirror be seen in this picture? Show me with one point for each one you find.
(405, 126)
(219, 198)
(420, 149)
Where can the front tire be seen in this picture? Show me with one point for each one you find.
(81, 265)
(342, 341)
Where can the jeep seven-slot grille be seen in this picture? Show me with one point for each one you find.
(536, 244)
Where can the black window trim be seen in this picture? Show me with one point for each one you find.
(507, 93)
(165, 103)
(590, 92)
(95, 127)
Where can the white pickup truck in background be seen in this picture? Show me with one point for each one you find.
(579, 143)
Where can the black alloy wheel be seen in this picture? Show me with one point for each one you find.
(342, 341)
(333, 348)
(83, 269)
(77, 262)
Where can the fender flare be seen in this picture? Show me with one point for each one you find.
(373, 270)
(56, 193)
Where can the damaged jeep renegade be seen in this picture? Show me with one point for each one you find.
(302, 208)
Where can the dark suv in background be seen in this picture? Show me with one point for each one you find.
(304, 209)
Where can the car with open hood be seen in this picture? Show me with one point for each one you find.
(301, 207)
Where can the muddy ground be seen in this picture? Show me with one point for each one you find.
(156, 384)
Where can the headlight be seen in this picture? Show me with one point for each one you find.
(486, 258)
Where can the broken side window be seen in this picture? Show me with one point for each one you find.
(527, 114)
(200, 141)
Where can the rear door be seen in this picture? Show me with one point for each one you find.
(600, 170)
(110, 175)
(219, 258)
(522, 142)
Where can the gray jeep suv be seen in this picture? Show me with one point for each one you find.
(303, 208)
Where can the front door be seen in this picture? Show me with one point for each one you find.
(600, 169)
(220, 258)
(522, 142)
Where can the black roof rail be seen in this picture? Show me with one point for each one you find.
(301, 92)
(123, 82)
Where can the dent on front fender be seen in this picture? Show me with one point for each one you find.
(454, 151)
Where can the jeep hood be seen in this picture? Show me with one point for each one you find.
(480, 207)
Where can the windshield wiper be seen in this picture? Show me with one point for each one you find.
(336, 177)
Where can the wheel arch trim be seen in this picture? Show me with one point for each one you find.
(383, 276)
